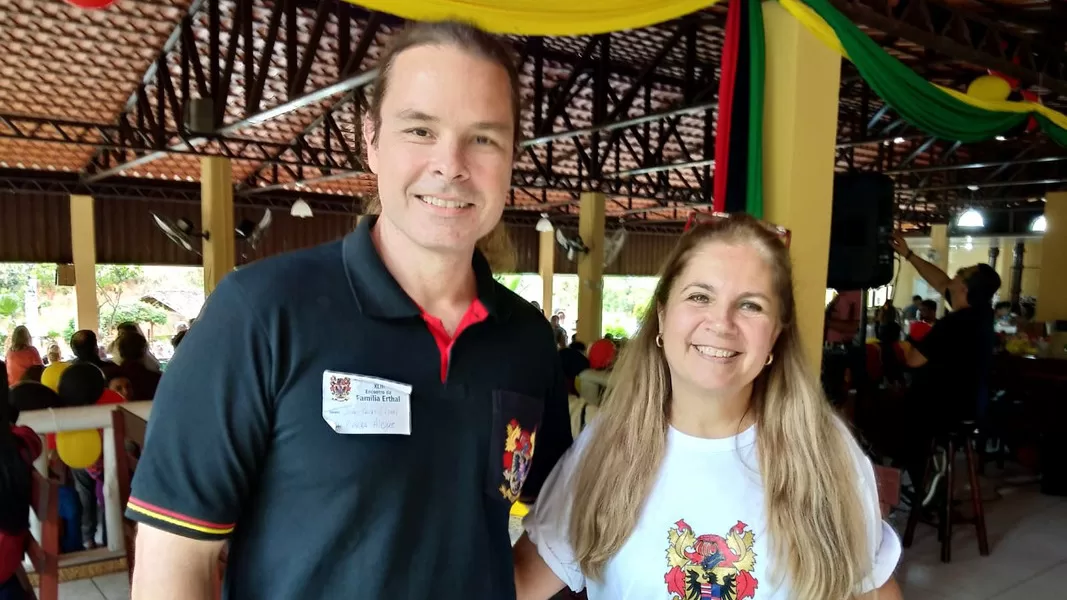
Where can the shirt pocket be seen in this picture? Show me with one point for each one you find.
(516, 420)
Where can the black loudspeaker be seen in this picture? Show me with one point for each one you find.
(860, 254)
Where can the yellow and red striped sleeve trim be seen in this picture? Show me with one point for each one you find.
(169, 516)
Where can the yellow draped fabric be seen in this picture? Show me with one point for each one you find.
(822, 30)
(542, 17)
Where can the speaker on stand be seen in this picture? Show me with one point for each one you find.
(860, 231)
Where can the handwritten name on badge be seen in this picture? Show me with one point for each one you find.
(360, 404)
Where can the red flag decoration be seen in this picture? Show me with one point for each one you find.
(92, 4)
(739, 128)
(727, 83)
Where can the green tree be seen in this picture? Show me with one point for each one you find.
(112, 281)
(135, 312)
(10, 305)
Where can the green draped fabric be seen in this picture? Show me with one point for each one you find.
(757, 61)
(918, 101)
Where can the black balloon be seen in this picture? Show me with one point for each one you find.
(30, 395)
(81, 384)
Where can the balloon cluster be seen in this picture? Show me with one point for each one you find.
(996, 87)
(63, 385)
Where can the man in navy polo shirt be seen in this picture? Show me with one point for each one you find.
(358, 418)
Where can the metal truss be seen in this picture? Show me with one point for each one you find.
(616, 147)
(135, 188)
(165, 98)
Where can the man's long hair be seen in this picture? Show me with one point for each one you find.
(811, 485)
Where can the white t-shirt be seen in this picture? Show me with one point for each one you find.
(703, 531)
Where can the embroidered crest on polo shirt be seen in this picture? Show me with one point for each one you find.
(518, 455)
(709, 566)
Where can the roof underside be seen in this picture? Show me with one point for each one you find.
(102, 95)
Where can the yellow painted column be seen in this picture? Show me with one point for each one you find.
(591, 266)
(799, 137)
(546, 266)
(939, 256)
(1003, 266)
(1052, 278)
(216, 204)
(83, 247)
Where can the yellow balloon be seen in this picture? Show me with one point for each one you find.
(52, 373)
(79, 449)
(989, 87)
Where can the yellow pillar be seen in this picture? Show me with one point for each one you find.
(799, 137)
(216, 203)
(1052, 283)
(546, 266)
(83, 247)
(591, 266)
(939, 257)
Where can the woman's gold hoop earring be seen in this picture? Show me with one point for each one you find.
(770, 359)
(659, 340)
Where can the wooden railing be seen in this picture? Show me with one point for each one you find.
(57, 420)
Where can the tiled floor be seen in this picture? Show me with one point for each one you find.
(1028, 554)
(1028, 559)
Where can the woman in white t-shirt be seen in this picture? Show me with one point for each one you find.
(716, 469)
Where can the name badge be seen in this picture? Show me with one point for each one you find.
(360, 404)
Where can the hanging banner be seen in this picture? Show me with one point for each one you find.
(542, 17)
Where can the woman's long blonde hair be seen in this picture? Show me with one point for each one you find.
(811, 486)
(20, 338)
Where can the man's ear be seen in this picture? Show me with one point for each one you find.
(369, 144)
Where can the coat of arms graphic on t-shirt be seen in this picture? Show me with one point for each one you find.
(709, 566)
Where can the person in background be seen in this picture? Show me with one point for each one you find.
(19, 447)
(715, 468)
(911, 312)
(21, 354)
(574, 362)
(537, 305)
(32, 373)
(150, 362)
(133, 348)
(841, 352)
(55, 355)
(86, 348)
(559, 332)
(952, 362)
(927, 316)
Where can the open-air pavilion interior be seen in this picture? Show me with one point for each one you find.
(119, 123)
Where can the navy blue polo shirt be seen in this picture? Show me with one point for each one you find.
(237, 445)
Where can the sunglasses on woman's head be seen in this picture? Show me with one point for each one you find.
(702, 218)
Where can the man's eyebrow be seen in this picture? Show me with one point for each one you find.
(496, 126)
(410, 114)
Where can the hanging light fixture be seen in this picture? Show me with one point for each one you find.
(301, 210)
(1039, 224)
(544, 225)
(970, 219)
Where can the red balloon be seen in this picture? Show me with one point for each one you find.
(92, 4)
(110, 397)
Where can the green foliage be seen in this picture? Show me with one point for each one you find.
(615, 331)
(509, 281)
(68, 332)
(111, 283)
(136, 312)
(10, 305)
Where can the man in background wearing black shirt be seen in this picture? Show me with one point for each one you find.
(953, 360)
